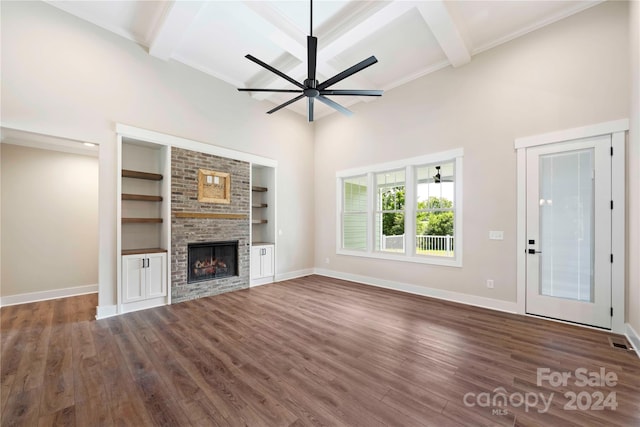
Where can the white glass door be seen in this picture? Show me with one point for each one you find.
(569, 231)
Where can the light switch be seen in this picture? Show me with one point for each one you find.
(496, 235)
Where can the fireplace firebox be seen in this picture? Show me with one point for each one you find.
(212, 260)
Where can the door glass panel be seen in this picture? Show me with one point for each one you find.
(567, 225)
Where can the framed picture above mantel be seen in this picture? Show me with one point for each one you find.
(214, 187)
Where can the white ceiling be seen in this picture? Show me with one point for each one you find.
(409, 38)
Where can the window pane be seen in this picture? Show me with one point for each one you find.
(390, 200)
(567, 225)
(390, 190)
(435, 214)
(354, 231)
(435, 187)
(355, 194)
(390, 232)
(354, 217)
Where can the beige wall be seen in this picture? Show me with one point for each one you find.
(66, 77)
(49, 220)
(633, 170)
(569, 74)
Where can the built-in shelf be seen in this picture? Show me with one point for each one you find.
(260, 205)
(143, 251)
(258, 189)
(141, 197)
(126, 173)
(259, 221)
(141, 220)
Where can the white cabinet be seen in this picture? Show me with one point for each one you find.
(144, 276)
(262, 261)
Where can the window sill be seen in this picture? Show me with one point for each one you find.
(431, 260)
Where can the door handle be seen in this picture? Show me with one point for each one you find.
(533, 252)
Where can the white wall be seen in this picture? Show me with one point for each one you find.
(572, 73)
(49, 220)
(633, 170)
(66, 77)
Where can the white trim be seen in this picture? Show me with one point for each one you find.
(142, 304)
(521, 232)
(578, 7)
(618, 235)
(489, 303)
(294, 274)
(119, 292)
(104, 311)
(189, 144)
(47, 295)
(42, 142)
(419, 259)
(605, 128)
(43, 133)
(633, 338)
(402, 163)
(166, 215)
(261, 281)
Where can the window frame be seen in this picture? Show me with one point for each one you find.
(410, 209)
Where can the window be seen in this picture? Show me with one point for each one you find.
(408, 210)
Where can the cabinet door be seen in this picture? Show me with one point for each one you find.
(156, 275)
(267, 261)
(133, 278)
(256, 262)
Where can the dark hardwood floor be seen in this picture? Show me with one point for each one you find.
(310, 351)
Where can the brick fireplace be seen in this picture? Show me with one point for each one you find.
(196, 231)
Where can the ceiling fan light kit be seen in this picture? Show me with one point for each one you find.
(311, 88)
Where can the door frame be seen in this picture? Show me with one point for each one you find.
(617, 129)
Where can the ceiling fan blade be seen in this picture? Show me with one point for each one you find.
(348, 72)
(270, 90)
(355, 92)
(312, 55)
(310, 106)
(334, 105)
(273, 70)
(291, 101)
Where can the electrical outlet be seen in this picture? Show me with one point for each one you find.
(490, 283)
(327, 260)
(496, 235)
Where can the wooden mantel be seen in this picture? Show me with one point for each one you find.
(211, 215)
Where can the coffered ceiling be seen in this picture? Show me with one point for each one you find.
(409, 38)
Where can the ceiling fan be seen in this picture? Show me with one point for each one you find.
(437, 178)
(311, 88)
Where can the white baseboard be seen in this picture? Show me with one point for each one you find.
(294, 274)
(47, 295)
(143, 305)
(490, 303)
(104, 311)
(633, 338)
(262, 281)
